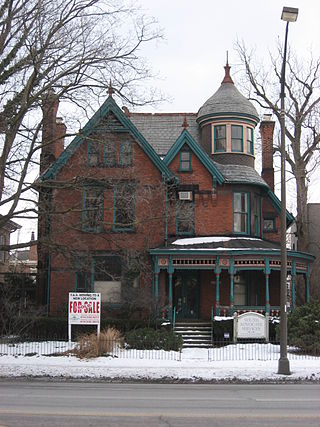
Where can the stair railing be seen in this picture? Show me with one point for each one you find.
(173, 318)
(212, 320)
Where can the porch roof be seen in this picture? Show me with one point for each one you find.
(226, 245)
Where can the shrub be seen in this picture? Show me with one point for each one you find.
(150, 339)
(304, 327)
(92, 345)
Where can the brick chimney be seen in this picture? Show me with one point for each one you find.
(33, 254)
(266, 132)
(53, 131)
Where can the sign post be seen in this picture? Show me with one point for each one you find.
(84, 309)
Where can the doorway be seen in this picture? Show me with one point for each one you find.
(186, 294)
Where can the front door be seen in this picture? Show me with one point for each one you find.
(186, 294)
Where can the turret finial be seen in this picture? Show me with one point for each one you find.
(185, 123)
(227, 77)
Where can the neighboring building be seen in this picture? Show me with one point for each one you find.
(167, 205)
(313, 212)
(24, 260)
(5, 232)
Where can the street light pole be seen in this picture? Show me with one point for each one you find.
(289, 14)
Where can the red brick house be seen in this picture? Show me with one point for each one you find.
(166, 205)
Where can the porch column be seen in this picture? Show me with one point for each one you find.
(293, 290)
(231, 293)
(307, 296)
(267, 294)
(232, 273)
(217, 294)
(156, 288)
(170, 297)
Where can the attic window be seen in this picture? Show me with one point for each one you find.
(185, 160)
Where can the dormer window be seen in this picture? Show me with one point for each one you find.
(220, 140)
(236, 138)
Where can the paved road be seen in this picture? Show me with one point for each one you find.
(41, 403)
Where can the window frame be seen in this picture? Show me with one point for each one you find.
(233, 139)
(187, 161)
(120, 281)
(131, 191)
(250, 145)
(93, 152)
(123, 144)
(269, 230)
(109, 162)
(86, 272)
(99, 227)
(256, 213)
(180, 232)
(217, 140)
(245, 213)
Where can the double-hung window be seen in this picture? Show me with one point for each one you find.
(220, 140)
(123, 207)
(184, 217)
(93, 152)
(236, 138)
(109, 155)
(83, 274)
(108, 277)
(101, 151)
(256, 214)
(93, 209)
(241, 213)
(249, 140)
(185, 160)
(125, 153)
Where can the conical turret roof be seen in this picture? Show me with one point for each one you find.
(227, 101)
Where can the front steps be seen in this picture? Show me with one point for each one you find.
(195, 333)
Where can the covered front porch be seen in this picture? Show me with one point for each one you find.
(202, 278)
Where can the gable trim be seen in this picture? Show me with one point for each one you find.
(277, 204)
(186, 138)
(128, 126)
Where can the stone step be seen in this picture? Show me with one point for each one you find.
(194, 333)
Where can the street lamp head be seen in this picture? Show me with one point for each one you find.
(289, 14)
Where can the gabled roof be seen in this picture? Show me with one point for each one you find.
(186, 138)
(161, 130)
(123, 125)
(277, 204)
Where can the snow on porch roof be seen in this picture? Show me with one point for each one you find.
(223, 242)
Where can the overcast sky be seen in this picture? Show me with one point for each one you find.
(197, 35)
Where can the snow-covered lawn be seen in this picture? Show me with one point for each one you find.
(195, 364)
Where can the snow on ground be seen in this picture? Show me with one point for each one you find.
(195, 365)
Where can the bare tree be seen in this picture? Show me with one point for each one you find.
(73, 48)
(302, 118)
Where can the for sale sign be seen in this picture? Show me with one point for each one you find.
(84, 308)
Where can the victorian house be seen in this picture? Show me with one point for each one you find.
(168, 206)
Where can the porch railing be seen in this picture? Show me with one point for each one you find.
(225, 310)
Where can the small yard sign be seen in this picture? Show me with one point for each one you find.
(84, 309)
(251, 325)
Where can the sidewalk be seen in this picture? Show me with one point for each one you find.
(193, 367)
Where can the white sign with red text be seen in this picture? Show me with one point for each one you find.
(84, 308)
